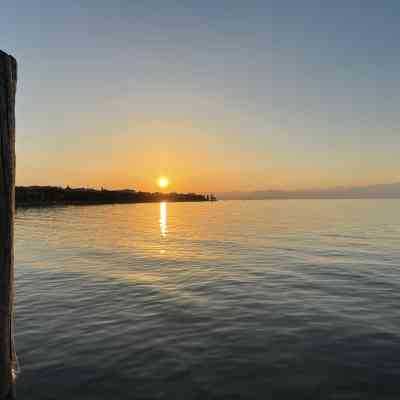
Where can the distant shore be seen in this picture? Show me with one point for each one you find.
(33, 196)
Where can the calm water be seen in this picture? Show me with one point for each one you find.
(226, 300)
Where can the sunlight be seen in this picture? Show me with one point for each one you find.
(163, 219)
(163, 182)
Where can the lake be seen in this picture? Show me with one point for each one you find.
(296, 299)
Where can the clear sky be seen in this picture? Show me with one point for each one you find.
(217, 95)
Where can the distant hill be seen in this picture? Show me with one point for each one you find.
(391, 190)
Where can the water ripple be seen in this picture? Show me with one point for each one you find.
(283, 299)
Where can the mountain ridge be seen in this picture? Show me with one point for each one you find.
(380, 190)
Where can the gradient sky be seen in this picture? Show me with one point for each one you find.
(217, 95)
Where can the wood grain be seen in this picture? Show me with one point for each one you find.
(8, 80)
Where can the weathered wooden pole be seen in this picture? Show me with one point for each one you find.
(8, 83)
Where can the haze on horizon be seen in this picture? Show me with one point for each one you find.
(217, 96)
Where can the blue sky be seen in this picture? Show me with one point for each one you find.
(218, 95)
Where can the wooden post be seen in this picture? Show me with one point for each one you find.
(8, 81)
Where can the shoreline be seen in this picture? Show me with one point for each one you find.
(98, 203)
(50, 196)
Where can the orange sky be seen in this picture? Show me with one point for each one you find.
(217, 98)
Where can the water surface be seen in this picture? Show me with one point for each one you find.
(227, 300)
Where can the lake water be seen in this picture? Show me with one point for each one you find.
(226, 300)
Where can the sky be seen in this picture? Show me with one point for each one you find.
(216, 95)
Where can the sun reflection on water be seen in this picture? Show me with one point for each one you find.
(163, 219)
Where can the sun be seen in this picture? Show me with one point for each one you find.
(163, 182)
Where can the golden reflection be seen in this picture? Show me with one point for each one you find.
(163, 219)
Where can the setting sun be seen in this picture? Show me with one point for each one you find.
(163, 182)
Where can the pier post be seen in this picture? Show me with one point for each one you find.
(8, 81)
